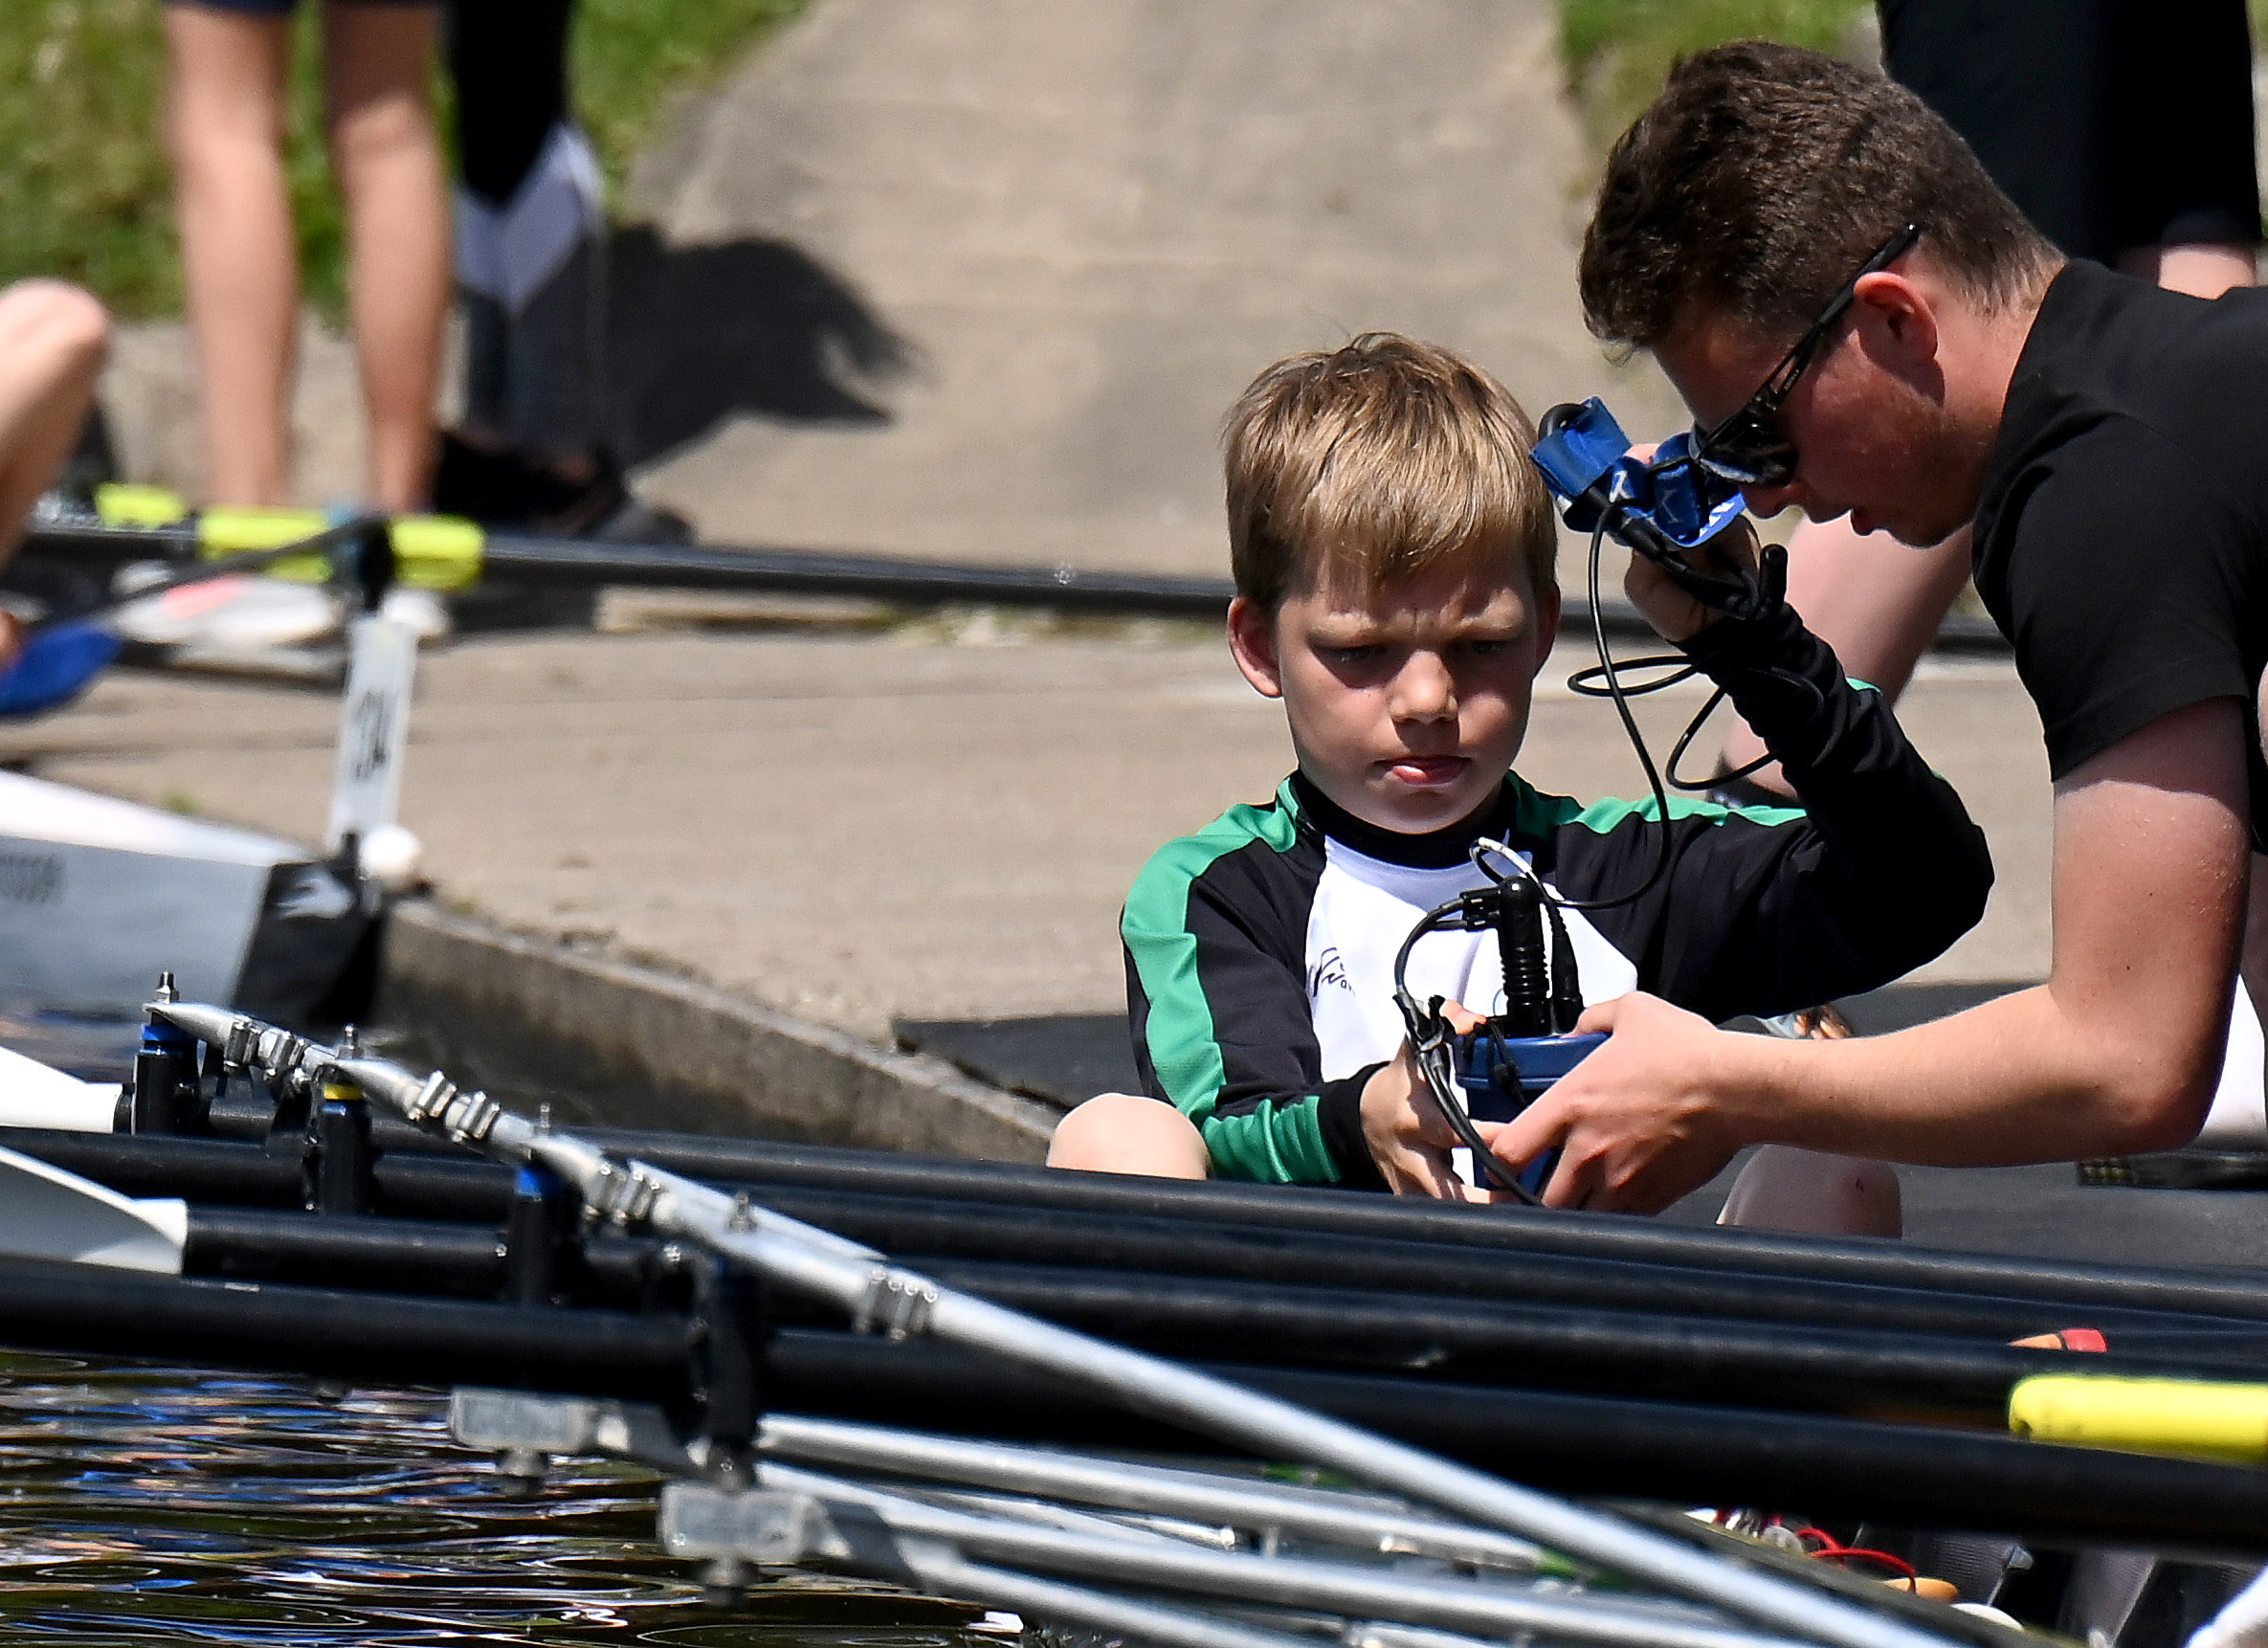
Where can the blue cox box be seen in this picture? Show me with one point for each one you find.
(1503, 1076)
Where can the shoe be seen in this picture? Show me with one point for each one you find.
(238, 611)
(511, 491)
(422, 611)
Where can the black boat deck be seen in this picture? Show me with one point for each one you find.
(2041, 1210)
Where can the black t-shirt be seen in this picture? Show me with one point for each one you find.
(2122, 536)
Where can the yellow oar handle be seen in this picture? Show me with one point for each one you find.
(2193, 1420)
(431, 551)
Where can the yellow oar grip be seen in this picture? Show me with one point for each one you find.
(120, 505)
(431, 551)
(2193, 1420)
(436, 552)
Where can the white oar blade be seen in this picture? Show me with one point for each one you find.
(46, 1212)
(33, 1096)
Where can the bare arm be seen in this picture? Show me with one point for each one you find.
(2118, 1051)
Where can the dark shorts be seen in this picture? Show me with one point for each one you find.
(283, 8)
(2109, 122)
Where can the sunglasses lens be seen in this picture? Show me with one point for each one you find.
(1747, 451)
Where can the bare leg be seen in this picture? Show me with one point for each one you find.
(388, 161)
(225, 125)
(51, 342)
(1877, 602)
(2202, 269)
(1783, 1188)
(1122, 1133)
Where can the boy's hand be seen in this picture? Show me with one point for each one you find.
(1675, 615)
(1409, 1137)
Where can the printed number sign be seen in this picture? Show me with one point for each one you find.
(373, 725)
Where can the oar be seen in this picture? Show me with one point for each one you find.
(53, 1214)
(62, 654)
(876, 1294)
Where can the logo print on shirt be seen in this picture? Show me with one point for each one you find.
(1328, 969)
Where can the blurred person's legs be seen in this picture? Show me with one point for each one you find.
(225, 119)
(52, 341)
(376, 57)
(531, 274)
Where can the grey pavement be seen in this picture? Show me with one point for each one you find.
(937, 822)
(1090, 225)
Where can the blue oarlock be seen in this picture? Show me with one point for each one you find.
(57, 665)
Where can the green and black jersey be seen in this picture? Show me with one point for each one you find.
(1260, 951)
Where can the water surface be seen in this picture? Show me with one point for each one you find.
(161, 1506)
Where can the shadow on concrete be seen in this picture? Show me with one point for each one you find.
(700, 334)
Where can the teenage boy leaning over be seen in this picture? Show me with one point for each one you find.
(1393, 556)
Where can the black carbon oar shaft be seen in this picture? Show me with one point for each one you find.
(928, 1228)
(1596, 1447)
(2211, 1291)
(1411, 1335)
(371, 1338)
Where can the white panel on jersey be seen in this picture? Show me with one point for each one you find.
(1364, 908)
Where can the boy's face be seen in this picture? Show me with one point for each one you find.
(1407, 706)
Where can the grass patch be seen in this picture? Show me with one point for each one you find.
(86, 193)
(1617, 52)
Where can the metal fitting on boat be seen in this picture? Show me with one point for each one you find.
(467, 1117)
(896, 1302)
(621, 1194)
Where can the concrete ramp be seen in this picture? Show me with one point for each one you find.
(1010, 260)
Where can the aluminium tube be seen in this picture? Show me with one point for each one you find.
(1364, 1592)
(1350, 1519)
(861, 1283)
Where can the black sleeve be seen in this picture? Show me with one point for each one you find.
(1217, 1004)
(1763, 912)
(2118, 567)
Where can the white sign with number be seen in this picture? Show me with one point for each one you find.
(373, 726)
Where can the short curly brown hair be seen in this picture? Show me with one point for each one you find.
(1373, 462)
(1765, 175)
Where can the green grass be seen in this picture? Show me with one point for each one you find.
(1617, 50)
(85, 193)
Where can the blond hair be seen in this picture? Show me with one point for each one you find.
(1356, 467)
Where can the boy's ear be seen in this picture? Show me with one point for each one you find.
(1252, 641)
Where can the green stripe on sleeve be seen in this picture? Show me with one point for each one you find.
(1183, 1047)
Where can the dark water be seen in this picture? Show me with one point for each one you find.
(169, 1506)
(157, 1505)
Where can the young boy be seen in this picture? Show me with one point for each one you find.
(1393, 553)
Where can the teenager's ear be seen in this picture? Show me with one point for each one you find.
(1901, 312)
(1252, 641)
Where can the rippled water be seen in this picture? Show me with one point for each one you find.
(157, 1505)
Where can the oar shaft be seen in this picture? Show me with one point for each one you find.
(2216, 1291)
(1679, 1454)
(371, 1338)
(453, 1186)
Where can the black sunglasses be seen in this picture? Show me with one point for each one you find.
(1750, 448)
